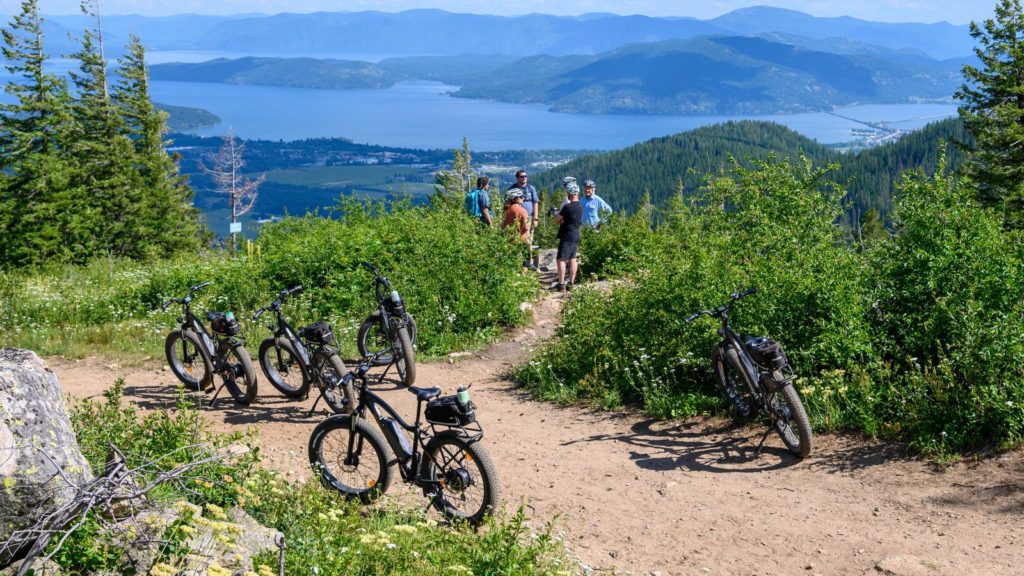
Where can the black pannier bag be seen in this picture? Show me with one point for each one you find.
(767, 353)
(446, 411)
(318, 333)
(223, 323)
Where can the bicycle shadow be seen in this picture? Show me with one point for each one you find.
(698, 446)
(266, 409)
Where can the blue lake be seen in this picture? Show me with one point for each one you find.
(422, 115)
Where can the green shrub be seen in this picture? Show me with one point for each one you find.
(461, 282)
(772, 227)
(949, 304)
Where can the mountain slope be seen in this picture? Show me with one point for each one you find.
(714, 75)
(655, 166)
(291, 72)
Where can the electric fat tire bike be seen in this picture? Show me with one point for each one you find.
(389, 333)
(356, 454)
(754, 372)
(293, 360)
(199, 357)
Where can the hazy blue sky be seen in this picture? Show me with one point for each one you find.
(955, 11)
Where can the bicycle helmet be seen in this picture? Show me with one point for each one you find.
(514, 193)
(568, 180)
(589, 184)
(572, 188)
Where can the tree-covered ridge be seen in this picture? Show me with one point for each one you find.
(657, 166)
(714, 75)
(290, 72)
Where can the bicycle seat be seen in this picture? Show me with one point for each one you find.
(424, 394)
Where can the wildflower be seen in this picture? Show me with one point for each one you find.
(405, 528)
(216, 511)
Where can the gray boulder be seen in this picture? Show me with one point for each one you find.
(41, 466)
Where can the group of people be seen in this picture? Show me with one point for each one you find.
(522, 212)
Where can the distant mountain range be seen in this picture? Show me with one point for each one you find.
(706, 75)
(439, 32)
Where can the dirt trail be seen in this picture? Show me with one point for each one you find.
(640, 496)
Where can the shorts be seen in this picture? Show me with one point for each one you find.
(567, 250)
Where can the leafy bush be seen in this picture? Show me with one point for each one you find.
(772, 227)
(461, 283)
(949, 300)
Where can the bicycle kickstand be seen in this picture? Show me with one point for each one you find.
(213, 401)
(385, 372)
(761, 443)
(317, 401)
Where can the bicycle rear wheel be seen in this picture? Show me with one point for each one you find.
(791, 421)
(353, 460)
(341, 398)
(238, 374)
(460, 478)
(188, 359)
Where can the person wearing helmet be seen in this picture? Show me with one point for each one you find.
(595, 209)
(568, 219)
(515, 215)
(531, 204)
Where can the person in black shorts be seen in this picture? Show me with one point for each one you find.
(568, 219)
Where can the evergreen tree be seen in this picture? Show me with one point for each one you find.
(450, 186)
(993, 110)
(36, 219)
(166, 214)
(103, 154)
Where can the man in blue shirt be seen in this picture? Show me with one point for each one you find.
(595, 209)
(531, 203)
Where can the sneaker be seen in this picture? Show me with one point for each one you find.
(560, 287)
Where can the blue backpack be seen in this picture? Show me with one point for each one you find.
(473, 204)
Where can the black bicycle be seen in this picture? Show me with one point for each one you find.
(197, 357)
(754, 371)
(389, 333)
(444, 457)
(293, 360)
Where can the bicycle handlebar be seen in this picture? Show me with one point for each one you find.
(188, 298)
(717, 312)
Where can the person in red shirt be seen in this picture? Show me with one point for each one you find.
(516, 217)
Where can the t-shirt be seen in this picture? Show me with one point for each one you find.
(516, 215)
(569, 229)
(484, 201)
(593, 208)
(529, 197)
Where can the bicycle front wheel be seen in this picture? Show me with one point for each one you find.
(351, 459)
(238, 374)
(791, 421)
(459, 478)
(406, 361)
(188, 359)
(372, 338)
(731, 378)
(280, 362)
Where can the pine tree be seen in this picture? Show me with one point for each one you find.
(103, 154)
(35, 221)
(451, 186)
(993, 110)
(167, 217)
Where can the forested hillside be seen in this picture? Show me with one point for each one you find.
(657, 166)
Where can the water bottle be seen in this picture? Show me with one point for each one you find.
(395, 297)
(462, 395)
(229, 315)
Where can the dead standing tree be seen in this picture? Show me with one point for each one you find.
(228, 178)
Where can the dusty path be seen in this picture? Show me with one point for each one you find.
(639, 496)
